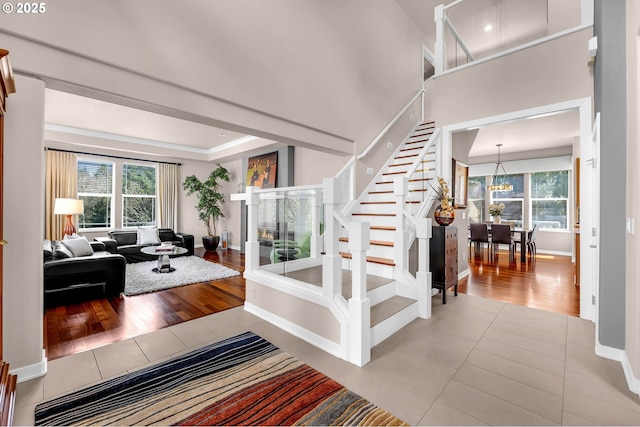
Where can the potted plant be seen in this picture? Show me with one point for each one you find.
(495, 210)
(210, 201)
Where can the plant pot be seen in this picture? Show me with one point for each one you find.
(210, 243)
(497, 219)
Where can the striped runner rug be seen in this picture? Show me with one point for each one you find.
(243, 380)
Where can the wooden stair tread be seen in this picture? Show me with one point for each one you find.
(372, 259)
(411, 180)
(395, 165)
(418, 141)
(382, 227)
(406, 157)
(373, 242)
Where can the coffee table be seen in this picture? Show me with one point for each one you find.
(164, 264)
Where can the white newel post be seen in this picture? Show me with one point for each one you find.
(423, 275)
(400, 243)
(440, 52)
(252, 246)
(359, 304)
(331, 261)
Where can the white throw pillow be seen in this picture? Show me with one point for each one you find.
(79, 246)
(148, 236)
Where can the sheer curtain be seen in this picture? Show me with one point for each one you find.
(168, 184)
(61, 181)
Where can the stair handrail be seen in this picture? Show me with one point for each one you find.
(393, 121)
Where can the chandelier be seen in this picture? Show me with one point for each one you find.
(495, 185)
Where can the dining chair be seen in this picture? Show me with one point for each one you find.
(479, 235)
(531, 241)
(501, 235)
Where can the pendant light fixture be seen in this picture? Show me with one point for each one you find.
(495, 185)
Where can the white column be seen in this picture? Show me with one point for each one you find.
(423, 275)
(359, 304)
(252, 246)
(331, 261)
(440, 47)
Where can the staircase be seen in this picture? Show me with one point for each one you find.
(374, 295)
(392, 307)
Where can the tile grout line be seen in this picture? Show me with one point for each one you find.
(564, 372)
(461, 364)
(505, 304)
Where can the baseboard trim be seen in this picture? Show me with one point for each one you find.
(609, 352)
(30, 372)
(618, 355)
(464, 274)
(290, 327)
(632, 381)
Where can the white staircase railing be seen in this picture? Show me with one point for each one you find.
(354, 314)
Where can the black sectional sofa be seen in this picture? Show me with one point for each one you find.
(125, 242)
(72, 278)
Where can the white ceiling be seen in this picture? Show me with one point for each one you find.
(541, 133)
(139, 130)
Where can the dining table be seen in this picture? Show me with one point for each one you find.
(523, 239)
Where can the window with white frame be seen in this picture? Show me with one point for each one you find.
(96, 189)
(138, 195)
(513, 200)
(477, 198)
(550, 199)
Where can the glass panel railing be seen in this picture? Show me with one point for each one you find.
(288, 224)
(481, 28)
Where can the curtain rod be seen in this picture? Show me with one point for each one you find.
(113, 157)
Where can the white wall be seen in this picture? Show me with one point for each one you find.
(23, 228)
(312, 72)
(545, 74)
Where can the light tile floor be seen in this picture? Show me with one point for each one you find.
(475, 362)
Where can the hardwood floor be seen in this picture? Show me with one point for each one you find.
(546, 283)
(77, 327)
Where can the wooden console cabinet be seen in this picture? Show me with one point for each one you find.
(443, 259)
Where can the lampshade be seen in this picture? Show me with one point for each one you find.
(68, 206)
(495, 185)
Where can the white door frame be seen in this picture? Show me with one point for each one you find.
(588, 180)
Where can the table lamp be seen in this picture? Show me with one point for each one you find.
(68, 207)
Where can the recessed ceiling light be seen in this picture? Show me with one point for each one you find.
(488, 27)
(223, 134)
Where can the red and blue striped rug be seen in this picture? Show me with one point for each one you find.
(243, 380)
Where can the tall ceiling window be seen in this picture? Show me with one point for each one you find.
(95, 188)
(138, 195)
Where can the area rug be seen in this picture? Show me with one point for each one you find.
(141, 279)
(244, 380)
